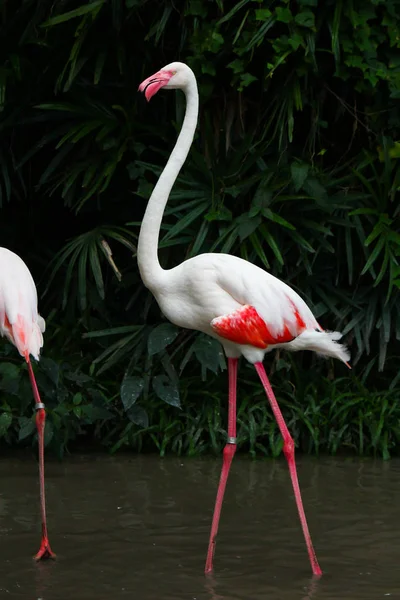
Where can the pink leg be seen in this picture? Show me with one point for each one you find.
(229, 453)
(45, 551)
(288, 449)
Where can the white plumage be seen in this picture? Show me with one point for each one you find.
(208, 286)
(247, 309)
(19, 318)
(21, 324)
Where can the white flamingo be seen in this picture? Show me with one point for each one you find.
(248, 310)
(21, 324)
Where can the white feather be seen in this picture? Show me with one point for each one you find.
(323, 343)
(18, 302)
(209, 286)
(212, 285)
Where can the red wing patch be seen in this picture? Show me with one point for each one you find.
(299, 320)
(245, 326)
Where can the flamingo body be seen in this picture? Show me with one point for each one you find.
(204, 292)
(22, 325)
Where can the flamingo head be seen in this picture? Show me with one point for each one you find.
(173, 76)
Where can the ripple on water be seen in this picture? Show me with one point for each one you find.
(138, 527)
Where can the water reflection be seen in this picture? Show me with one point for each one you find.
(138, 527)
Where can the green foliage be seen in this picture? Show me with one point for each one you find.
(75, 403)
(295, 166)
(324, 416)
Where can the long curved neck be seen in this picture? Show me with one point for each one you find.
(147, 253)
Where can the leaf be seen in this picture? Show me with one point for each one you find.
(268, 214)
(9, 377)
(96, 270)
(61, 106)
(51, 368)
(374, 255)
(299, 173)
(378, 229)
(248, 226)
(9, 370)
(161, 337)
(245, 80)
(262, 198)
(185, 221)
(99, 67)
(272, 244)
(96, 413)
(134, 172)
(262, 14)
(299, 239)
(349, 253)
(200, 238)
(315, 189)
(112, 331)
(255, 241)
(139, 416)
(261, 34)
(169, 368)
(48, 432)
(336, 30)
(131, 388)
(305, 18)
(283, 14)
(78, 378)
(232, 12)
(208, 352)
(27, 427)
(166, 390)
(384, 268)
(77, 399)
(196, 8)
(92, 7)
(5, 422)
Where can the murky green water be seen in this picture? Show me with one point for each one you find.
(138, 528)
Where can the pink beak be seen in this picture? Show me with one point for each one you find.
(151, 85)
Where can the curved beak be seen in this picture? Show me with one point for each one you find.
(152, 84)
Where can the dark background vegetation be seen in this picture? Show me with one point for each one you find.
(295, 166)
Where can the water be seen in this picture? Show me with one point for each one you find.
(138, 527)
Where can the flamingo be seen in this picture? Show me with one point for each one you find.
(247, 309)
(21, 324)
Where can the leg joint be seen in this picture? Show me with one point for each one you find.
(289, 447)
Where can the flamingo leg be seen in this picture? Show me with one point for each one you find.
(288, 449)
(228, 454)
(45, 550)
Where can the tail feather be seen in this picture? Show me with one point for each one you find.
(36, 341)
(27, 336)
(321, 342)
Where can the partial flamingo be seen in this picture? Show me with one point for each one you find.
(21, 324)
(248, 310)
